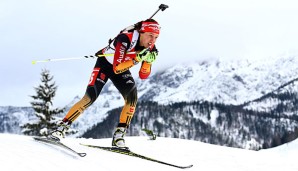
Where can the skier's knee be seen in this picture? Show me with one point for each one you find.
(87, 101)
(91, 95)
(132, 97)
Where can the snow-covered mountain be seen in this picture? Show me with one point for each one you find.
(23, 153)
(240, 82)
(12, 117)
(233, 82)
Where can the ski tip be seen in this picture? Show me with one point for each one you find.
(186, 167)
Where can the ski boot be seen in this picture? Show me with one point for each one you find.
(118, 140)
(59, 133)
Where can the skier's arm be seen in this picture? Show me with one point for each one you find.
(119, 65)
(145, 70)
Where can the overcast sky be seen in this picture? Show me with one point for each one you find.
(192, 30)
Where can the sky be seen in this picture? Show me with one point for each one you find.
(192, 30)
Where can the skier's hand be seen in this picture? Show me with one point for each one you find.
(151, 57)
(143, 55)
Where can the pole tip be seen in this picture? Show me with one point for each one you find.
(33, 62)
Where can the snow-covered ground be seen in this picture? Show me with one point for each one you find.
(22, 153)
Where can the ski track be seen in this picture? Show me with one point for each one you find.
(23, 153)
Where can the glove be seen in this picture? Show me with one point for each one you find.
(151, 57)
(144, 54)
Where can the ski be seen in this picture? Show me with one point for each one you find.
(59, 144)
(126, 151)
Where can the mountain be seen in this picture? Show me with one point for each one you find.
(23, 153)
(226, 82)
(215, 97)
(12, 117)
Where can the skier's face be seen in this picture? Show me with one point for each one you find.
(147, 39)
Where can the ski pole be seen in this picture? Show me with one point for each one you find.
(161, 7)
(65, 59)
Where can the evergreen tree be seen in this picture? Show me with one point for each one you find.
(42, 106)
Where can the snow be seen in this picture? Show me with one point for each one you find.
(23, 153)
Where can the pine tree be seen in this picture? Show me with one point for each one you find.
(42, 104)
